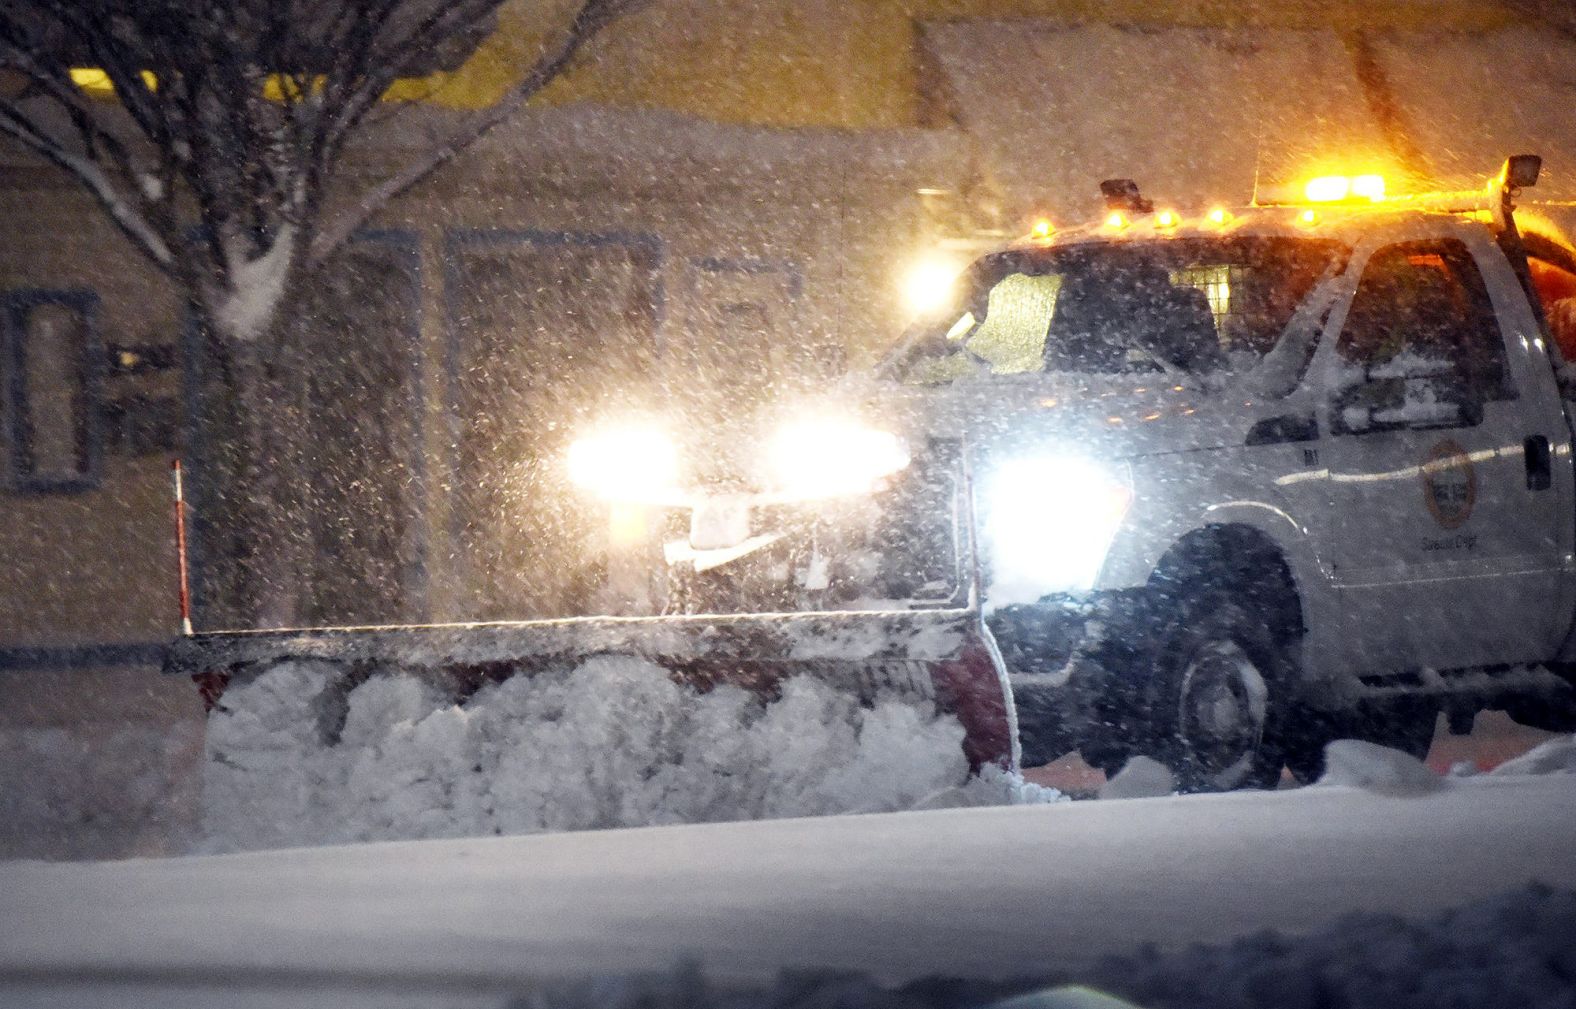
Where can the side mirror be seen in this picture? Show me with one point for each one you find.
(1521, 171)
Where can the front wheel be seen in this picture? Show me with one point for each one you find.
(1218, 674)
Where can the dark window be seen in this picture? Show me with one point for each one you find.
(54, 366)
(1421, 346)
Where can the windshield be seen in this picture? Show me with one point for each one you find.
(1190, 305)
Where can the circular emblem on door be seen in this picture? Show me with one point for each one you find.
(1449, 484)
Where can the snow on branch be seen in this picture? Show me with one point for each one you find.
(591, 18)
(115, 202)
(215, 128)
(83, 144)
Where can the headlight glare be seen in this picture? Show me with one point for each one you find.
(1049, 524)
(832, 458)
(633, 463)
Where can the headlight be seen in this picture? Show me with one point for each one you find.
(831, 458)
(1049, 524)
(930, 283)
(634, 464)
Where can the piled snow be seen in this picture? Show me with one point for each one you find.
(612, 742)
(1140, 778)
(1356, 763)
(993, 786)
(1556, 756)
(93, 790)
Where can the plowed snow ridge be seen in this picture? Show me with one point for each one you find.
(611, 742)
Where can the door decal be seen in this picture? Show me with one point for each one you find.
(1449, 484)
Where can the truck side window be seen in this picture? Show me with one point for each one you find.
(1421, 346)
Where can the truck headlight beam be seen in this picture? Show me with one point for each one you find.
(632, 463)
(824, 458)
(1049, 523)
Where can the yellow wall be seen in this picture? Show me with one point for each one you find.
(848, 63)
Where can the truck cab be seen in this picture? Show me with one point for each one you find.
(1275, 475)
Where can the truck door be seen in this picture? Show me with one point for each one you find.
(1445, 522)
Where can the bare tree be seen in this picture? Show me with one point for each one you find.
(229, 121)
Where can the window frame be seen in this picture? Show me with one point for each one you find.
(16, 307)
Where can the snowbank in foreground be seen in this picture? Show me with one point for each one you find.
(1511, 950)
(612, 742)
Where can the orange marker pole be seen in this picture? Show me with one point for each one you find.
(180, 550)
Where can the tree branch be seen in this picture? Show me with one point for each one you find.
(115, 203)
(591, 18)
(376, 67)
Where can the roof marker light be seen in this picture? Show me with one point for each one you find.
(1219, 216)
(1307, 217)
(1327, 189)
(1042, 228)
(1117, 219)
(1341, 188)
(1369, 187)
(1166, 219)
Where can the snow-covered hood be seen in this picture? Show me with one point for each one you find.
(1116, 416)
(1113, 416)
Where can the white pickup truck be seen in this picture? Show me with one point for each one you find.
(1268, 477)
(1216, 490)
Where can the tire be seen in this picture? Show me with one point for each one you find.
(1043, 733)
(1110, 701)
(1303, 734)
(1554, 712)
(1218, 682)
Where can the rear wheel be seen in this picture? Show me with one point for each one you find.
(1219, 677)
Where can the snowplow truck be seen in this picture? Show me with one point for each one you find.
(1214, 489)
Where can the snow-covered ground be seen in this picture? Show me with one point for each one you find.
(519, 758)
(97, 790)
(981, 892)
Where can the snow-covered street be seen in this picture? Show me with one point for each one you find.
(989, 892)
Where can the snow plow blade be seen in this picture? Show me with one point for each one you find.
(944, 656)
